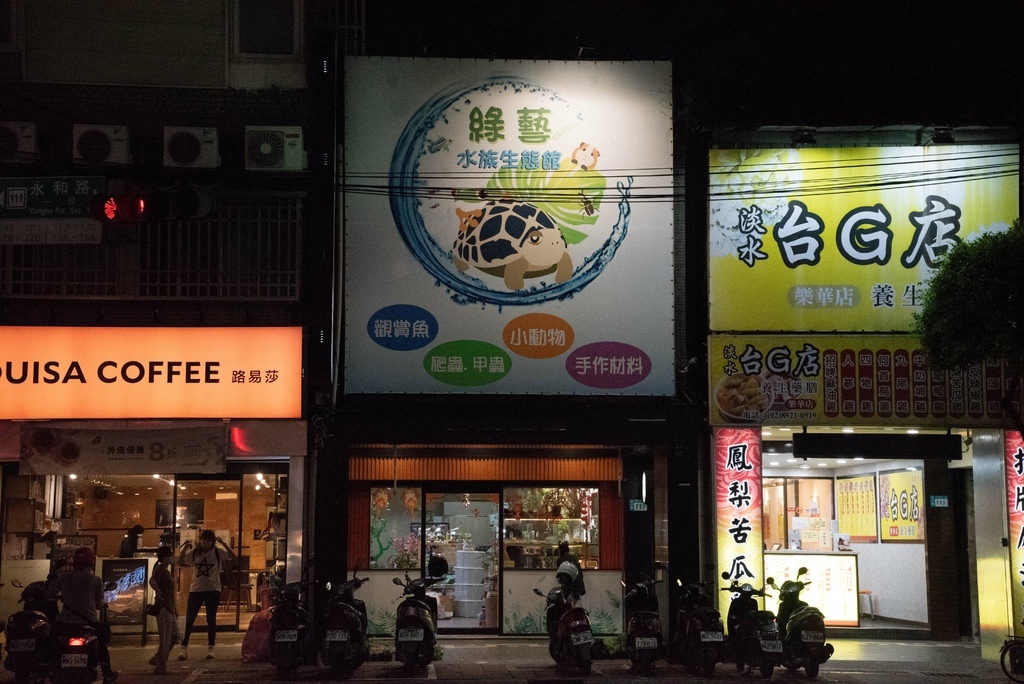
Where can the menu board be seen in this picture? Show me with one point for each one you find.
(126, 601)
(833, 588)
(64, 548)
(856, 512)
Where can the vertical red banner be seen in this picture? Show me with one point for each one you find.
(901, 382)
(848, 383)
(866, 383)
(919, 384)
(883, 382)
(937, 396)
(830, 383)
(1015, 511)
(993, 388)
(975, 391)
(738, 502)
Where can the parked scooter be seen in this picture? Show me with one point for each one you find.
(802, 629)
(290, 635)
(28, 635)
(699, 632)
(570, 638)
(76, 654)
(416, 618)
(644, 641)
(344, 645)
(753, 633)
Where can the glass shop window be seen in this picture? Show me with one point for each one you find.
(537, 519)
(395, 520)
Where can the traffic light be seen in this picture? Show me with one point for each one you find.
(129, 207)
(185, 200)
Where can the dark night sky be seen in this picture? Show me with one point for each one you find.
(800, 62)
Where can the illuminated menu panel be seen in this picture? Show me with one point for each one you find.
(834, 583)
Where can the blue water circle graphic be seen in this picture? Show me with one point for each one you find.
(405, 196)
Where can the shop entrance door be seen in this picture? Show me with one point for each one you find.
(463, 527)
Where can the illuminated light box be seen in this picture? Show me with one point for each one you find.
(834, 583)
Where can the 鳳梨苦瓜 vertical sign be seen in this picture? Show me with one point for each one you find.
(508, 227)
(845, 238)
(738, 504)
(1015, 510)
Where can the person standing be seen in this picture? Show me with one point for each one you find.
(130, 542)
(81, 593)
(167, 615)
(206, 587)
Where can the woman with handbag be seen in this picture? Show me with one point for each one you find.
(165, 609)
(205, 590)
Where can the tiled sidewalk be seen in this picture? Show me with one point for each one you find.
(526, 660)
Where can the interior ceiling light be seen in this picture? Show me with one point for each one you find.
(841, 460)
(774, 463)
(858, 458)
(848, 430)
(912, 431)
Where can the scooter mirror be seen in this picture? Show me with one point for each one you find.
(538, 592)
(679, 582)
(801, 571)
(725, 575)
(328, 586)
(16, 583)
(397, 581)
(623, 583)
(770, 581)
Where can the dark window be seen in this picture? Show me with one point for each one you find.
(6, 22)
(266, 27)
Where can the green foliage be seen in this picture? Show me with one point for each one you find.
(382, 621)
(611, 647)
(973, 307)
(560, 194)
(530, 623)
(604, 622)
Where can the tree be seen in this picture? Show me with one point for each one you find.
(974, 309)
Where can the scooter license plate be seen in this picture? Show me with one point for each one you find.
(337, 635)
(579, 638)
(771, 646)
(647, 643)
(410, 635)
(74, 660)
(712, 636)
(21, 645)
(812, 636)
(286, 635)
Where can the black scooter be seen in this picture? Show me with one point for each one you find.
(699, 634)
(644, 641)
(416, 617)
(753, 633)
(290, 634)
(802, 629)
(28, 632)
(570, 637)
(344, 644)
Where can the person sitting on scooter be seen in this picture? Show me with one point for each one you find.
(577, 586)
(81, 593)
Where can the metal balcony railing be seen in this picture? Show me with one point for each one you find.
(249, 248)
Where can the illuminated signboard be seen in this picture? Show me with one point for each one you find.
(845, 238)
(859, 380)
(506, 229)
(856, 510)
(1015, 507)
(93, 372)
(738, 504)
(834, 583)
(901, 506)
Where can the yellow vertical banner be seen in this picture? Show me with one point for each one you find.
(738, 504)
(1015, 509)
(901, 506)
(855, 513)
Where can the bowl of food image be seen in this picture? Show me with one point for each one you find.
(743, 398)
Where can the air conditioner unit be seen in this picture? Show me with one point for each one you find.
(274, 148)
(17, 142)
(98, 145)
(194, 148)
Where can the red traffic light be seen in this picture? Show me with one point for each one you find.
(123, 208)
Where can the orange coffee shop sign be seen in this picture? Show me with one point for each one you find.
(80, 373)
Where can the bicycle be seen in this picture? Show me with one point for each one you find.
(1011, 658)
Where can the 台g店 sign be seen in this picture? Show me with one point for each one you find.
(93, 372)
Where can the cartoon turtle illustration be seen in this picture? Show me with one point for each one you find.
(514, 240)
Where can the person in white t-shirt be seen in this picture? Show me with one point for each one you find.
(207, 560)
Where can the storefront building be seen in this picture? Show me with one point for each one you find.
(504, 265)
(149, 436)
(836, 447)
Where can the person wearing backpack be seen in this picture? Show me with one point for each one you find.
(208, 561)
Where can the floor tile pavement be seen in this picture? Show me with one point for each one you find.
(526, 661)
